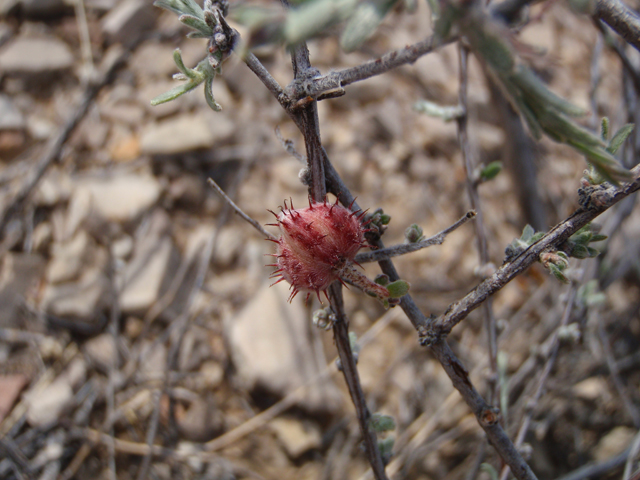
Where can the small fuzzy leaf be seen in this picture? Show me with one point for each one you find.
(598, 237)
(604, 128)
(398, 289)
(593, 252)
(385, 219)
(363, 23)
(181, 7)
(556, 272)
(382, 279)
(619, 137)
(313, 17)
(490, 171)
(579, 251)
(439, 111)
(527, 233)
(187, 72)
(174, 93)
(535, 88)
(385, 446)
(382, 423)
(537, 236)
(208, 95)
(197, 24)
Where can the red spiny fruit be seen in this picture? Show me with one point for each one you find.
(316, 244)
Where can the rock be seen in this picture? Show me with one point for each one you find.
(35, 55)
(41, 8)
(148, 273)
(590, 389)
(296, 437)
(154, 362)
(123, 112)
(10, 117)
(231, 241)
(121, 197)
(19, 274)
(47, 406)
(613, 443)
(184, 133)
(69, 258)
(153, 59)
(201, 422)
(80, 299)
(269, 342)
(10, 388)
(101, 351)
(128, 20)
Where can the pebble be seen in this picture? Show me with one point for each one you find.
(144, 276)
(47, 406)
(79, 299)
(613, 443)
(68, 258)
(101, 351)
(591, 388)
(35, 55)
(184, 133)
(11, 117)
(295, 436)
(10, 388)
(39, 8)
(270, 348)
(19, 273)
(121, 197)
(128, 20)
(201, 422)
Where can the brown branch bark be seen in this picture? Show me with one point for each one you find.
(594, 201)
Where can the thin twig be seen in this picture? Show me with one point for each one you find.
(631, 409)
(239, 211)
(595, 200)
(452, 365)
(404, 248)
(554, 346)
(598, 470)
(389, 61)
(308, 120)
(481, 237)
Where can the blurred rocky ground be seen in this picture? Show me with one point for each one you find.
(134, 305)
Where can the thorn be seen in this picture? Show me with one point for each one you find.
(270, 254)
(318, 295)
(274, 213)
(272, 224)
(272, 265)
(343, 284)
(310, 204)
(351, 204)
(278, 281)
(309, 224)
(272, 240)
(326, 295)
(306, 300)
(358, 264)
(291, 202)
(293, 295)
(337, 199)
